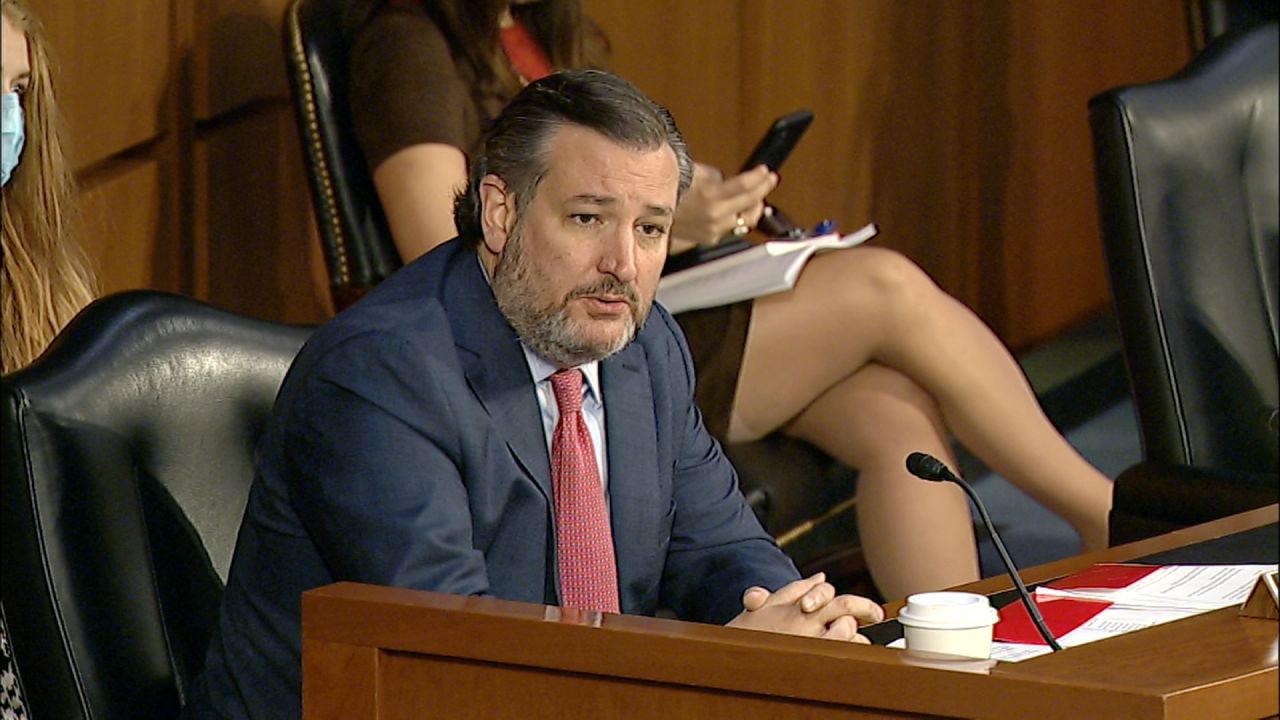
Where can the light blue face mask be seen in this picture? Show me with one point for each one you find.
(12, 137)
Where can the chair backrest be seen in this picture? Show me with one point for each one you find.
(358, 249)
(1211, 18)
(1187, 181)
(128, 452)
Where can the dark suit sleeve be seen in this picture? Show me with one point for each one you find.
(718, 548)
(372, 464)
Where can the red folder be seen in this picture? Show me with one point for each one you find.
(1062, 615)
(1104, 576)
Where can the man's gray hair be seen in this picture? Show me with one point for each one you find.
(515, 143)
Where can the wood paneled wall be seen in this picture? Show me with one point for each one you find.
(181, 133)
(959, 126)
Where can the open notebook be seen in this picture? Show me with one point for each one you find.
(767, 268)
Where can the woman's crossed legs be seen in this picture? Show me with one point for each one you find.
(869, 360)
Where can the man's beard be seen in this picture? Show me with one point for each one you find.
(547, 329)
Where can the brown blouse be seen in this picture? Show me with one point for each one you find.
(408, 89)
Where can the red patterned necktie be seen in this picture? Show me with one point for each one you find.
(584, 541)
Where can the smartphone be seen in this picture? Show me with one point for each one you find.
(778, 140)
(772, 149)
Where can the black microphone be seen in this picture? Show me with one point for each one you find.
(928, 467)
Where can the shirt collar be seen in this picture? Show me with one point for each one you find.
(540, 369)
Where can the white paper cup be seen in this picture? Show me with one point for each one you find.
(953, 623)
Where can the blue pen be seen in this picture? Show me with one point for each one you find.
(825, 227)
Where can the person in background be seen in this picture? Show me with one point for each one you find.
(848, 360)
(13, 706)
(511, 416)
(45, 278)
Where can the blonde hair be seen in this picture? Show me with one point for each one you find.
(45, 278)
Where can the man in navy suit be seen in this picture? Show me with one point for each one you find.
(410, 441)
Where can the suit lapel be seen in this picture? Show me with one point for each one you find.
(631, 430)
(496, 369)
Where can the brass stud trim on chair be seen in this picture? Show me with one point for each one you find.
(315, 147)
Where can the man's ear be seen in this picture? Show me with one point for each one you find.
(497, 213)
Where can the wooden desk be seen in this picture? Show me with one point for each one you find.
(388, 653)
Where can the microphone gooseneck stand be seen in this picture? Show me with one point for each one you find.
(928, 467)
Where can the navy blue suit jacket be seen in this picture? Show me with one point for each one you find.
(406, 448)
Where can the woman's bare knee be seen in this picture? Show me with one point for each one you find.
(879, 280)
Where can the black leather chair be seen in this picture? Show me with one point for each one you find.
(358, 250)
(1207, 19)
(128, 451)
(1187, 182)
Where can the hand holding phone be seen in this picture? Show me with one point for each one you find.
(772, 149)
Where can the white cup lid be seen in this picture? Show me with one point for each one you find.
(948, 610)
